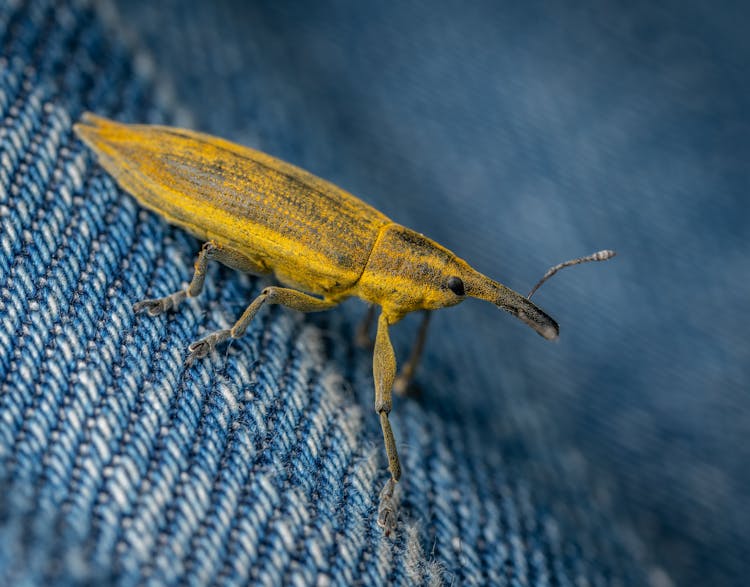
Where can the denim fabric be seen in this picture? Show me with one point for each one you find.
(515, 136)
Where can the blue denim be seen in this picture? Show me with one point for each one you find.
(518, 137)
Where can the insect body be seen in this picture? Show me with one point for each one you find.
(263, 216)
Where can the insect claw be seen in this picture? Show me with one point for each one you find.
(386, 518)
(154, 307)
(201, 348)
(387, 508)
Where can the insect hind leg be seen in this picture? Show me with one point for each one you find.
(156, 306)
(209, 251)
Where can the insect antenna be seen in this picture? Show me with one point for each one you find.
(598, 256)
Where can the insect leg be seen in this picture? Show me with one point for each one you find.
(271, 295)
(158, 306)
(362, 338)
(209, 251)
(384, 372)
(401, 385)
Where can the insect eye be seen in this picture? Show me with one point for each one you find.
(456, 285)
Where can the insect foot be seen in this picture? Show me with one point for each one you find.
(201, 348)
(157, 306)
(387, 508)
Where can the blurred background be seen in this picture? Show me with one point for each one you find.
(520, 135)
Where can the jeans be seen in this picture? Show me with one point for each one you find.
(517, 137)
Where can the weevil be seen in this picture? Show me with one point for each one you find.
(260, 215)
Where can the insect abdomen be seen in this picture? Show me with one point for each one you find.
(308, 231)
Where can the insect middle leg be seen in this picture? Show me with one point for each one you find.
(271, 295)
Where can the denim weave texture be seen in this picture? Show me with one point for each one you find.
(518, 136)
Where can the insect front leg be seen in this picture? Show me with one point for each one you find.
(401, 385)
(271, 295)
(384, 372)
(362, 338)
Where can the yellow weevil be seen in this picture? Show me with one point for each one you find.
(263, 216)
